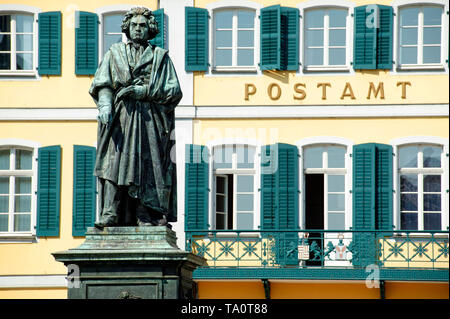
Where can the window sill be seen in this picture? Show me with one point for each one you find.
(6, 238)
(230, 234)
(13, 75)
(231, 69)
(418, 67)
(329, 68)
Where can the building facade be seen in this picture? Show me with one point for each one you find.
(311, 143)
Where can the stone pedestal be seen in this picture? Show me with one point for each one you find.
(129, 262)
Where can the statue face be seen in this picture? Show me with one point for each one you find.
(139, 29)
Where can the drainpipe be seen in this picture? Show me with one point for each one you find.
(382, 290)
(266, 285)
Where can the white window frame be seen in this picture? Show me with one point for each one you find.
(8, 9)
(234, 5)
(255, 171)
(443, 171)
(30, 146)
(326, 5)
(401, 4)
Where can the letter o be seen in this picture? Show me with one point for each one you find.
(270, 91)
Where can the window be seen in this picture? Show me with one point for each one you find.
(325, 185)
(421, 36)
(326, 38)
(234, 39)
(16, 190)
(234, 179)
(17, 42)
(112, 30)
(421, 179)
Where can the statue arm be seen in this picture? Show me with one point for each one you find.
(104, 104)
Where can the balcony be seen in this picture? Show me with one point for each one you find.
(321, 254)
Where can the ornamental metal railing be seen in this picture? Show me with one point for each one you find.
(321, 248)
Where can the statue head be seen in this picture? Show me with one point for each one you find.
(139, 25)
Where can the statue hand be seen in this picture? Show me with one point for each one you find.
(138, 92)
(104, 114)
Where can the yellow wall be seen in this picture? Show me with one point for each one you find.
(280, 289)
(36, 258)
(36, 293)
(68, 89)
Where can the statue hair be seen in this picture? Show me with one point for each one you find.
(147, 13)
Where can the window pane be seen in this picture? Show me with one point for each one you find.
(314, 18)
(432, 156)
(432, 183)
(22, 222)
(244, 221)
(4, 185)
(245, 38)
(337, 37)
(5, 61)
(224, 19)
(220, 184)
(245, 183)
(112, 23)
(24, 23)
(408, 156)
(336, 157)
(336, 202)
(220, 203)
(408, 183)
(336, 183)
(5, 23)
(337, 18)
(244, 202)
(5, 42)
(408, 55)
(4, 204)
(431, 54)
(432, 35)
(336, 221)
(245, 156)
(3, 221)
(23, 185)
(409, 221)
(409, 16)
(220, 221)
(223, 38)
(314, 56)
(24, 61)
(432, 202)
(408, 36)
(432, 16)
(109, 40)
(246, 19)
(432, 221)
(314, 38)
(245, 57)
(337, 57)
(4, 159)
(408, 202)
(222, 156)
(22, 203)
(24, 42)
(313, 157)
(23, 159)
(223, 57)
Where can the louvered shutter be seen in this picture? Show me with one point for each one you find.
(48, 191)
(196, 188)
(196, 39)
(384, 37)
(365, 40)
(86, 43)
(384, 187)
(270, 29)
(49, 43)
(84, 189)
(160, 38)
(289, 38)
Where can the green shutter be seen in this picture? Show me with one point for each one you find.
(289, 38)
(159, 40)
(279, 199)
(86, 43)
(49, 43)
(384, 187)
(196, 187)
(270, 49)
(48, 192)
(84, 189)
(384, 37)
(196, 39)
(365, 42)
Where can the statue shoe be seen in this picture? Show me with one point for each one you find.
(143, 223)
(106, 222)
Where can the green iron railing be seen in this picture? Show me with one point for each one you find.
(321, 248)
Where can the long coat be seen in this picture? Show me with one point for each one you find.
(134, 150)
